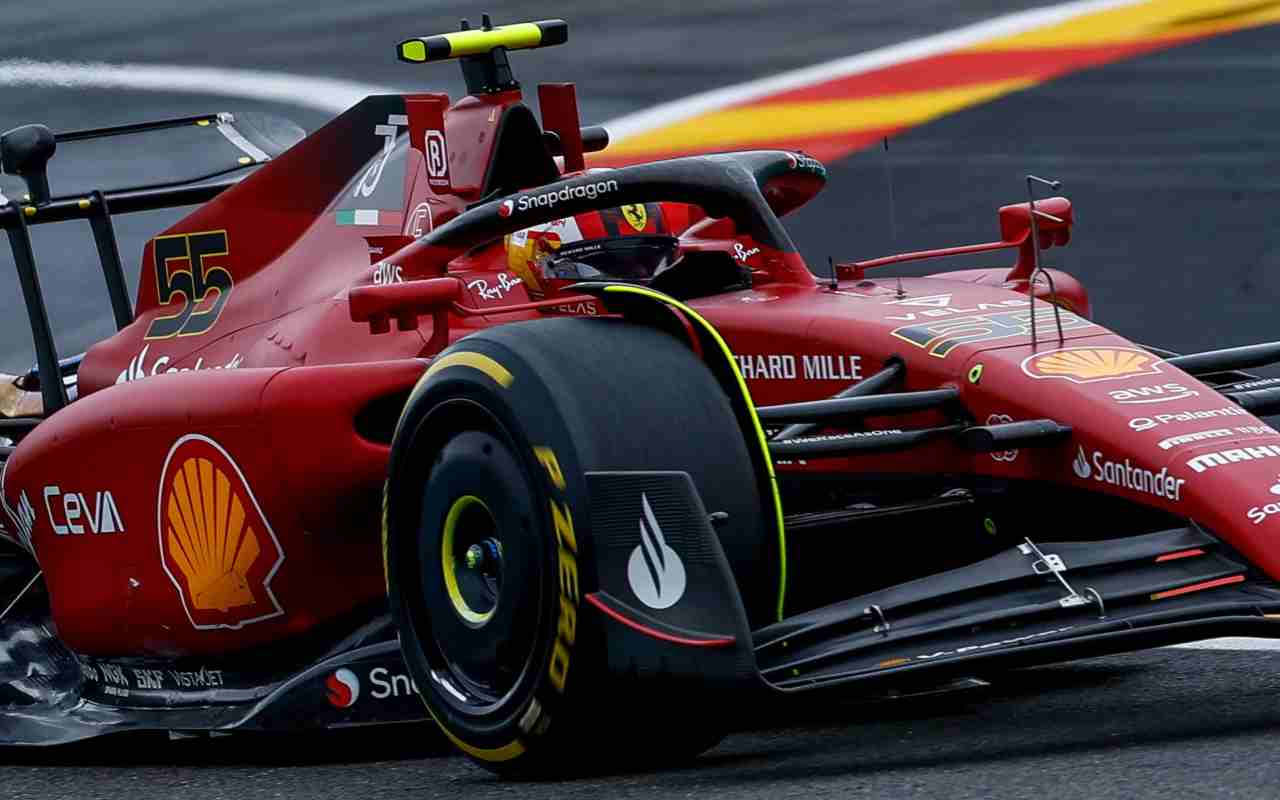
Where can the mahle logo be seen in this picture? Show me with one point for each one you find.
(1207, 461)
(655, 571)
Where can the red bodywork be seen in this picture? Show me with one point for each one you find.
(216, 486)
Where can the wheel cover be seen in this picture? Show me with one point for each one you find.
(482, 567)
(469, 537)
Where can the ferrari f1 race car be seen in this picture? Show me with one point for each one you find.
(421, 410)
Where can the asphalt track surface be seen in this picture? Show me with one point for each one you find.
(1171, 160)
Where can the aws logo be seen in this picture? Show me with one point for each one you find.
(216, 545)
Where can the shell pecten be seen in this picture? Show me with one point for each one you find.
(1093, 363)
(208, 538)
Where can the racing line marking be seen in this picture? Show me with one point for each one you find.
(1231, 643)
(323, 94)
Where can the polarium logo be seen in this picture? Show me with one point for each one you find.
(655, 571)
(1081, 465)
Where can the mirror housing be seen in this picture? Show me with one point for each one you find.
(376, 305)
(25, 152)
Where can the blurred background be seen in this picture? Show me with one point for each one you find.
(1160, 118)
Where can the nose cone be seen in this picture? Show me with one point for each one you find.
(1148, 432)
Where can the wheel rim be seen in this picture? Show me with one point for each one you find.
(471, 560)
(482, 568)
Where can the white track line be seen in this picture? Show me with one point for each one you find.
(323, 94)
(335, 96)
(1232, 643)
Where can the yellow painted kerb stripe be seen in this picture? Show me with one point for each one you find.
(750, 125)
(755, 422)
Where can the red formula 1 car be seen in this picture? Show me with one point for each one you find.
(425, 411)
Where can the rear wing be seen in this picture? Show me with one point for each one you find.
(26, 151)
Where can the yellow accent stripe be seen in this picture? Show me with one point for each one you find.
(413, 50)
(755, 422)
(498, 754)
(475, 42)
(450, 567)
(479, 361)
(759, 124)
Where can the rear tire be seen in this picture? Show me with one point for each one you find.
(489, 547)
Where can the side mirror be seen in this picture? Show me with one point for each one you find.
(377, 305)
(25, 152)
(1054, 219)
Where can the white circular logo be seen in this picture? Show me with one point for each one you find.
(655, 571)
(343, 688)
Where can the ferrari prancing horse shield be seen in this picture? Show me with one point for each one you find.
(636, 215)
(215, 543)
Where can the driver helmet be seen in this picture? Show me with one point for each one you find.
(631, 243)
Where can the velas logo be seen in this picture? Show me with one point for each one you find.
(1089, 364)
(342, 688)
(930, 301)
(216, 545)
(582, 191)
(506, 208)
(655, 571)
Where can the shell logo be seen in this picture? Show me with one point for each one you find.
(216, 545)
(1089, 364)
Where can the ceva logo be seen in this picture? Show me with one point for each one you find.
(343, 688)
